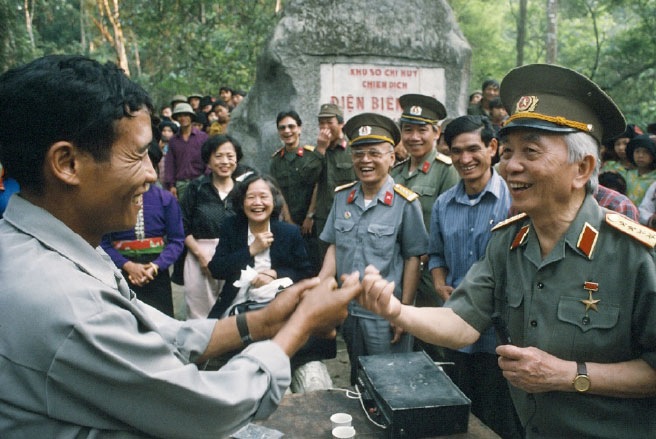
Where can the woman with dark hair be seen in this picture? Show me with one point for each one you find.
(254, 237)
(205, 206)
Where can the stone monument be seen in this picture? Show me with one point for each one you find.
(361, 55)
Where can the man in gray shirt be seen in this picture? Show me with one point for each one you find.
(80, 355)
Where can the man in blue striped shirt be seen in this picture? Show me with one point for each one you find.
(460, 228)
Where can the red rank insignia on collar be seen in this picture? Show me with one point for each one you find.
(389, 196)
(351, 197)
(587, 240)
(425, 167)
(520, 237)
(299, 151)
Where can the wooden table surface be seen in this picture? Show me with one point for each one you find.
(307, 415)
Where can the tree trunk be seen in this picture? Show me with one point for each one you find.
(29, 18)
(521, 32)
(117, 40)
(552, 31)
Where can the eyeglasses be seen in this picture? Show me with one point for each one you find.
(289, 127)
(359, 154)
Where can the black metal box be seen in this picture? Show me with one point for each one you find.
(412, 396)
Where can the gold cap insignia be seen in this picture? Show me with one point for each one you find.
(415, 110)
(364, 130)
(526, 103)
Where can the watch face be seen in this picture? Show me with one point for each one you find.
(582, 383)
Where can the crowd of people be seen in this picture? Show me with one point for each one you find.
(404, 235)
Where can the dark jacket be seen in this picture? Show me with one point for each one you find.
(288, 257)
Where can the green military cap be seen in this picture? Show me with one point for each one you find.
(421, 109)
(330, 110)
(556, 99)
(368, 128)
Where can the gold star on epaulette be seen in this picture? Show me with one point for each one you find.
(345, 186)
(443, 158)
(509, 221)
(406, 193)
(637, 231)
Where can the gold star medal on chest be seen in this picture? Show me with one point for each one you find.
(590, 303)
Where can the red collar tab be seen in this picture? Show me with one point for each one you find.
(520, 238)
(587, 240)
(299, 151)
(425, 167)
(389, 197)
(351, 197)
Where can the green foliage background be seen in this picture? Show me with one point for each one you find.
(611, 41)
(186, 46)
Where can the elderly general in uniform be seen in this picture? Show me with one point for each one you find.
(374, 221)
(426, 172)
(574, 283)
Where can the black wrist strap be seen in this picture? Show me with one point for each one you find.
(242, 327)
(581, 369)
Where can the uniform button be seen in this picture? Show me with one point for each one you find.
(540, 285)
(585, 320)
(534, 323)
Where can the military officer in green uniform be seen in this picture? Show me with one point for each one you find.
(574, 282)
(374, 221)
(337, 165)
(426, 172)
(297, 168)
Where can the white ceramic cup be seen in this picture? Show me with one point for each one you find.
(341, 420)
(343, 432)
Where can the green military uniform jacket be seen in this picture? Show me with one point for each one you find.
(296, 173)
(337, 171)
(435, 175)
(593, 298)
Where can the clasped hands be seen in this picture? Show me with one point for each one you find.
(140, 274)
